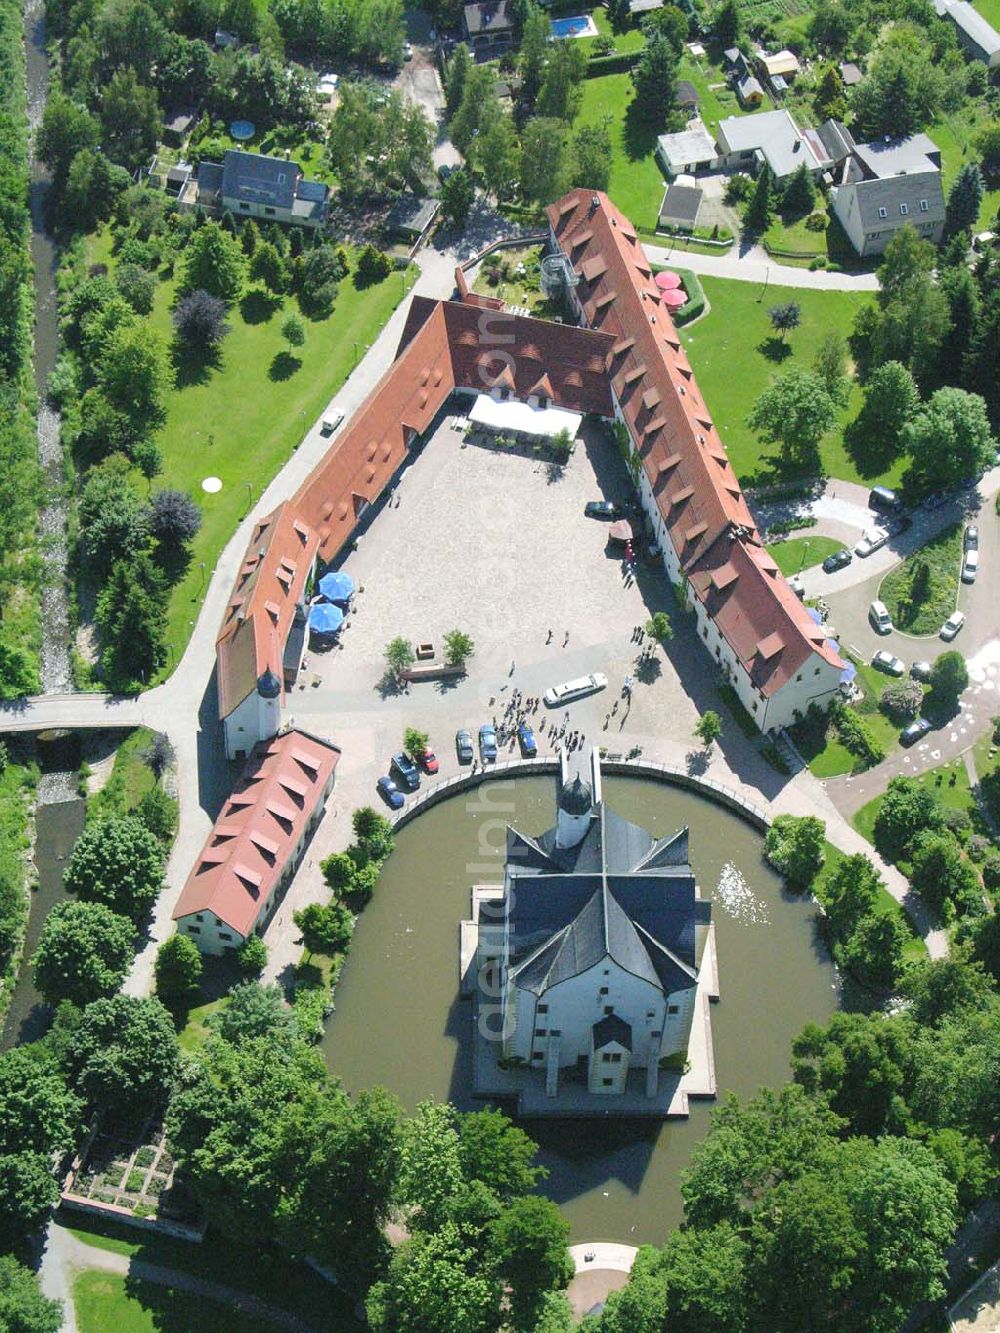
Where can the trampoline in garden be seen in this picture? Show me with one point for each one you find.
(242, 130)
(668, 281)
(337, 586)
(325, 618)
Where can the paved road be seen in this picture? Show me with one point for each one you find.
(752, 268)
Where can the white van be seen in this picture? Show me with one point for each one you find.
(878, 614)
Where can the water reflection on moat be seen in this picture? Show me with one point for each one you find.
(399, 1021)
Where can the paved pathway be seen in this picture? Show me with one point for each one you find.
(753, 268)
(66, 1255)
(601, 1267)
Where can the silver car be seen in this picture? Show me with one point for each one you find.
(872, 540)
(952, 625)
(970, 566)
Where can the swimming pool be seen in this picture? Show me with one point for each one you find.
(581, 26)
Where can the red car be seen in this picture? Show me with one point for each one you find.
(430, 761)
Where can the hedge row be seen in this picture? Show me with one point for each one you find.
(619, 63)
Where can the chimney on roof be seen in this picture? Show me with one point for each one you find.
(595, 203)
(796, 145)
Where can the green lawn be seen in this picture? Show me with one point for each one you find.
(921, 592)
(259, 1271)
(990, 10)
(241, 421)
(800, 553)
(636, 184)
(885, 904)
(109, 1303)
(131, 777)
(819, 744)
(735, 353)
(631, 40)
(953, 134)
(950, 784)
(196, 1031)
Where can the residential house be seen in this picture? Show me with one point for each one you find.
(745, 143)
(977, 37)
(176, 127)
(488, 25)
(687, 151)
(600, 944)
(257, 842)
(258, 186)
(762, 638)
(412, 217)
(889, 184)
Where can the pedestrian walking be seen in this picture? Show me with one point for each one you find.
(549, 637)
(511, 671)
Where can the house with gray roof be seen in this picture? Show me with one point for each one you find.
(977, 37)
(889, 184)
(747, 142)
(603, 939)
(255, 185)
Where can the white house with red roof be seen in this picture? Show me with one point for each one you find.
(257, 842)
(764, 640)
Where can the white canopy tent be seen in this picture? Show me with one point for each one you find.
(522, 418)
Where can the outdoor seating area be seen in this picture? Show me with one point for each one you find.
(529, 421)
(328, 612)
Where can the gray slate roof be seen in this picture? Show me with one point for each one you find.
(891, 157)
(488, 16)
(972, 23)
(612, 1028)
(257, 179)
(681, 204)
(899, 192)
(619, 893)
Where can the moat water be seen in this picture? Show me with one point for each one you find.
(399, 1020)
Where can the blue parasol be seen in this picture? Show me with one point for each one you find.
(325, 618)
(337, 586)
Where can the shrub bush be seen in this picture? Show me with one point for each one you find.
(858, 737)
(816, 222)
(902, 699)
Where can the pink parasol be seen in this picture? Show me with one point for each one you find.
(668, 281)
(674, 300)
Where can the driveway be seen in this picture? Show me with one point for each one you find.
(753, 268)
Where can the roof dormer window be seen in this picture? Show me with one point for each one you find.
(904, 209)
(924, 206)
(883, 212)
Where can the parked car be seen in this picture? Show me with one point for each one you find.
(878, 614)
(970, 538)
(839, 560)
(407, 770)
(921, 671)
(885, 500)
(970, 566)
(330, 424)
(952, 625)
(488, 743)
(914, 732)
(575, 689)
(601, 509)
(889, 663)
(390, 793)
(430, 761)
(526, 740)
(463, 746)
(872, 540)
(407, 51)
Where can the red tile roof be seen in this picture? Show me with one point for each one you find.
(444, 345)
(262, 606)
(689, 472)
(258, 828)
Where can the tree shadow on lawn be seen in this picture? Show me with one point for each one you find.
(774, 349)
(869, 454)
(283, 367)
(194, 365)
(175, 561)
(638, 134)
(258, 306)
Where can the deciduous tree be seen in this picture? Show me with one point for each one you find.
(794, 412)
(124, 1052)
(117, 861)
(83, 953)
(178, 968)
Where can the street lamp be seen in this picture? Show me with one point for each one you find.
(805, 552)
(249, 496)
